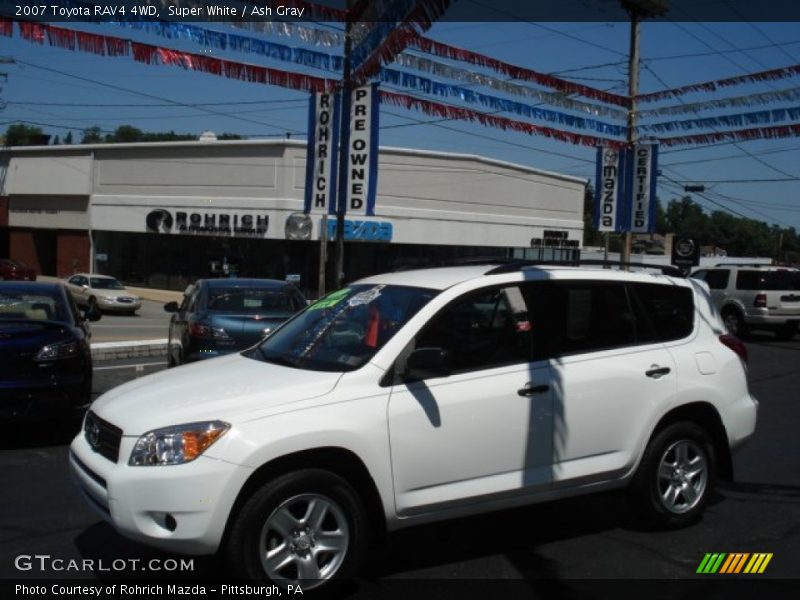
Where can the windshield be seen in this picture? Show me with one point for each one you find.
(106, 283)
(343, 330)
(254, 300)
(35, 307)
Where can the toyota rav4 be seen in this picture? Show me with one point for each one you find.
(418, 396)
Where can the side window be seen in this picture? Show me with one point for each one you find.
(189, 298)
(74, 280)
(717, 279)
(482, 330)
(668, 311)
(748, 280)
(572, 317)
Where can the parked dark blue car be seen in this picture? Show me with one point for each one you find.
(45, 359)
(220, 316)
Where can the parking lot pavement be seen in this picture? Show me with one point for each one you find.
(580, 548)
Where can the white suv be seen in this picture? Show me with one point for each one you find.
(755, 297)
(419, 396)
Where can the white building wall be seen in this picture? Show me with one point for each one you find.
(429, 198)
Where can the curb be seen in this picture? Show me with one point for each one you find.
(137, 349)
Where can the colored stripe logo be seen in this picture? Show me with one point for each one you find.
(734, 563)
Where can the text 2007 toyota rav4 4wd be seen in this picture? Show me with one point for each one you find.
(418, 396)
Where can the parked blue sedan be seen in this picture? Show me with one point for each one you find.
(220, 316)
(45, 359)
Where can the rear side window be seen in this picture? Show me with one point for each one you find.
(768, 280)
(668, 309)
(718, 279)
(579, 316)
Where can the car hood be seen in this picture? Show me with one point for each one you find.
(231, 388)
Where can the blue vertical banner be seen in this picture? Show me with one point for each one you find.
(641, 193)
(362, 151)
(610, 214)
(321, 153)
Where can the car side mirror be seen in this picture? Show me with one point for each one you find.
(427, 363)
(92, 313)
(171, 307)
(85, 286)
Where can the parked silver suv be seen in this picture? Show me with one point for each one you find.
(755, 297)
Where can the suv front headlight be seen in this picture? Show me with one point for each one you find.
(177, 444)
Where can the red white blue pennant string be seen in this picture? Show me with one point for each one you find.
(239, 43)
(419, 13)
(154, 55)
(440, 69)
(515, 72)
(785, 95)
(464, 114)
(712, 86)
(761, 117)
(759, 133)
(429, 86)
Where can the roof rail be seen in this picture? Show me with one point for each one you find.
(458, 262)
(517, 265)
(741, 265)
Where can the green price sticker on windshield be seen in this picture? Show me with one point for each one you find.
(330, 300)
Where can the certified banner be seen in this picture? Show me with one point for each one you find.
(321, 154)
(643, 188)
(610, 188)
(362, 151)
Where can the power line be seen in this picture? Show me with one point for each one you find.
(732, 51)
(546, 28)
(155, 97)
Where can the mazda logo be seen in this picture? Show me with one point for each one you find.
(159, 221)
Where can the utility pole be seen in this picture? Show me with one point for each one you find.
(633, 90)
(637, 9)
(344, 137)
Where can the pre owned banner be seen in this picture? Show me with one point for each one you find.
(321, 166)
(610, 188)
(362, 151)
(642, 195)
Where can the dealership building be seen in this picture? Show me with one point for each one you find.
(163, 214)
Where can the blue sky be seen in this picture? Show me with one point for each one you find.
(64, 90)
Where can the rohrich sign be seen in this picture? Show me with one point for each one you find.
(206, 222)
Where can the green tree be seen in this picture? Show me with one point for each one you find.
(126, 134)
(92, 135)
(68, 138)
(20, 134)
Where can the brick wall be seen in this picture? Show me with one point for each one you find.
(72, 253)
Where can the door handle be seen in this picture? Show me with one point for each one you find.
(532, 390)
(656, 372)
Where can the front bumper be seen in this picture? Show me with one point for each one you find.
(24, 401)
(120, 307)
(179, 508)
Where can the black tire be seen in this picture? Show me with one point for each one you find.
(286, 503)
(666, 490)
(735, 323)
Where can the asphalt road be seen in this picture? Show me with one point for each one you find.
(549, 550)
(150, 322)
